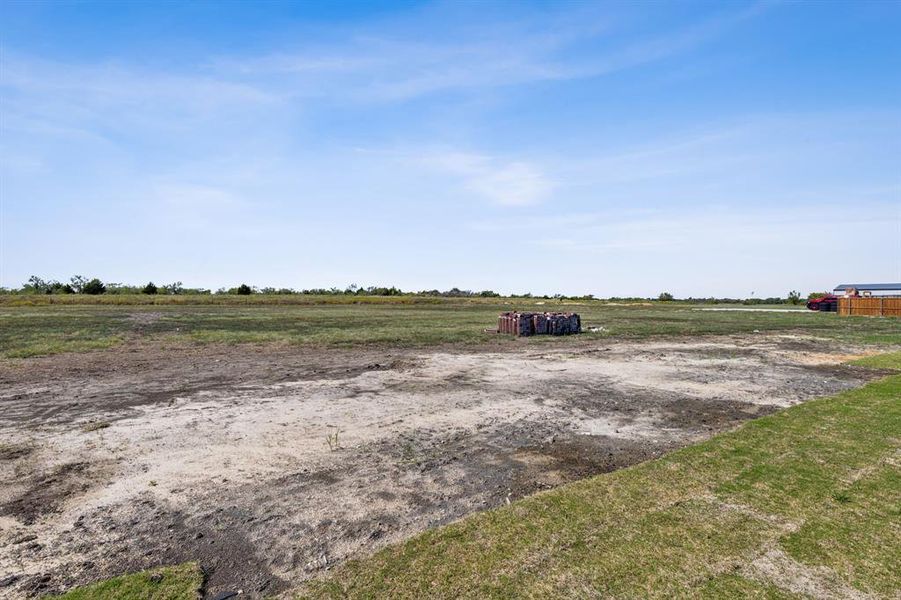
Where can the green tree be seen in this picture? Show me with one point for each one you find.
(244, 290)
(78, 282)
(794, 297)
(174, 288)
(150, 288)
(36, 285)
(665, 297)
(93, 287)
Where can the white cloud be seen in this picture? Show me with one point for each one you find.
(501, 181)
(512, 184)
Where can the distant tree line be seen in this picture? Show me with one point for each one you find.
(94, 286)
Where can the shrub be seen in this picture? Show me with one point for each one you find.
(665, 297)
(122, 289)
(794, 297)
(244, 290)
(150, 288)
(93, 287)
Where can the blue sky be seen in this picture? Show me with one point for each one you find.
(718, 148)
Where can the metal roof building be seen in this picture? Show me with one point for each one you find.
(870, 289)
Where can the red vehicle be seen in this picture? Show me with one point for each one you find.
(827, 303)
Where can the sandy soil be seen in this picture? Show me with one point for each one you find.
(269, 465)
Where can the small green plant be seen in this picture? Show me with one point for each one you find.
(794, 297)
(407, 453)
(95, 426)
(332, 440)
(841, 497)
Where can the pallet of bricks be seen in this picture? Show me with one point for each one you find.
(526, 323)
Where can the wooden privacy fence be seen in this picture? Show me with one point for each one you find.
(872, 307)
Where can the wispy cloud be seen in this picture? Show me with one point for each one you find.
(385, 68)
(501, 181)
(104, 92)
(360, 67)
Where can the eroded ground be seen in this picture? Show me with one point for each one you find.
(271, 465)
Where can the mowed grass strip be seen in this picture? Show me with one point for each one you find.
(181, 582)
(801, 503)
(40, 330)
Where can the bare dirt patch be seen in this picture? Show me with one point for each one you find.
(149, 455)
(46, 493)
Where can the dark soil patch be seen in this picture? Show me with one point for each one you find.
(73, 387)
(696, 414)
(46, 493)
(14, 451)
(850, 372)
(577, 457)
(150, 533)
(595, 397)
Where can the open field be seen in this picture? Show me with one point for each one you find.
(406, 322)
(271, 444)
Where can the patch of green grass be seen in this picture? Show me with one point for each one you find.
(181, 582)
(858, 536)
(46, 348)
(889, 360)
(732, 585)
(95, 426)
(48, 329)
(26, 332)
(688, 525)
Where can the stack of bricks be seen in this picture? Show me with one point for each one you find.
(525, 323)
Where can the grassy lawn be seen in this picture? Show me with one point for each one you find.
(803, 502)
(63, 327)
(181, 582)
